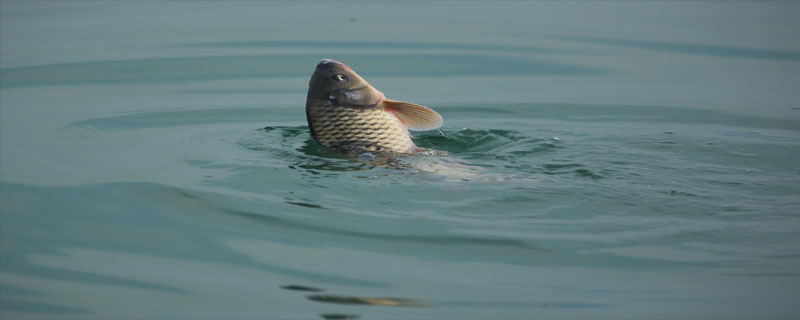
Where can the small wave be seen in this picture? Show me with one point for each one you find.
(185, 69)
(457, 142)
(295, 146)
(173, 118)
(463, 155)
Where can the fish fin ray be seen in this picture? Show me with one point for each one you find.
(414, 116)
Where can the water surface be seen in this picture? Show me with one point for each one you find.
(605, 161)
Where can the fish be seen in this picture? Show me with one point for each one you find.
(346, 113)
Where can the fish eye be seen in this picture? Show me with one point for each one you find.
(340, 78)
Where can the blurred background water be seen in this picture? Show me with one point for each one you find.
(608, 160)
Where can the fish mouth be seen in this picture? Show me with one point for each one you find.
(327, 63)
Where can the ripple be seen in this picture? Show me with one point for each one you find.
(295, 146)
(18, 305)
(191, 69)
(695, 49)
(174, 118)
(391, 45)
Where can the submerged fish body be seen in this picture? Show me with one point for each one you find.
(346, 113)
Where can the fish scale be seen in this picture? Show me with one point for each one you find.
(361, 129)
(346, 113)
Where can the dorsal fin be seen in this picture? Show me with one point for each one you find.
(413, 116)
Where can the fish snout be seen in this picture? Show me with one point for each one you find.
(329, 63)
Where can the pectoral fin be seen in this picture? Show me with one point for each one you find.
(413, 116)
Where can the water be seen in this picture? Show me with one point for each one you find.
(606, 161)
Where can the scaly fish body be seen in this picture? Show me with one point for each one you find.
(357, 129)
(346, 113)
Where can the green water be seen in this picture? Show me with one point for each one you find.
(614, 160)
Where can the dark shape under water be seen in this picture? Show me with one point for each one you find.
(295, 287)
(307, 205)
(369, 301)
(337, 316)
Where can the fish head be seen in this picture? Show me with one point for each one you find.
(335, 82)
